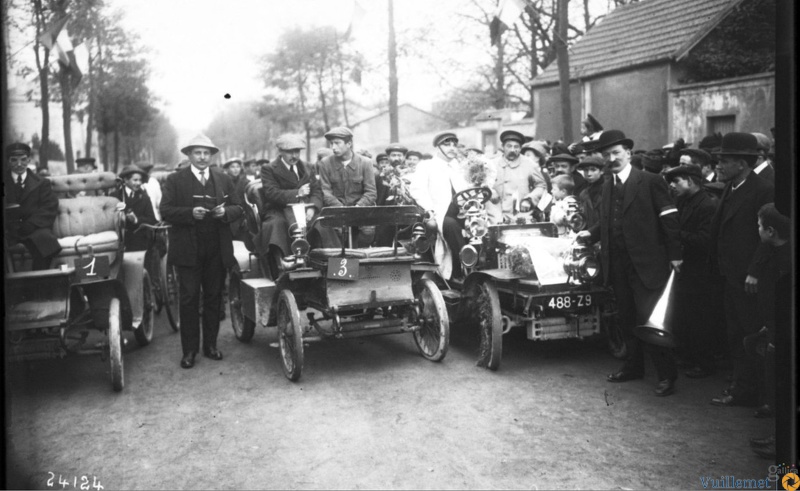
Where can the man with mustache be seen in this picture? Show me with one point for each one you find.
(519, 182)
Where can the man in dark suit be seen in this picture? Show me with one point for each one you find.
(735, 239)
(30, 208)
(200, 203)
(638, 230)
(138, 208)
(285, 181)
(697, 300)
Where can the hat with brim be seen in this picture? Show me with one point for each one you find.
(610, 138)
(340, 133)
(593, 123)
(414, 153)
(563, 157)
(684, 170)
(592, 161)
(86, 161)
(396, 147)
(287, 143)
(381, 156)
(261, 162)
(537, 146)
(18, 148)
(512, 135)
(248, 163)
(442, 137)
(738, 144)
(130, 170)
(200, 141)
(698, 154)
(231, 162)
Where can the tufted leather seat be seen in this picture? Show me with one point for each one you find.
(94, 183)
(369, 253)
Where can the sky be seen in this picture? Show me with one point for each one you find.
(204, 49)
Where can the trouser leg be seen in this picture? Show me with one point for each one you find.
(189, 286)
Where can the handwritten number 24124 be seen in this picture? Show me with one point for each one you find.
(77, 483)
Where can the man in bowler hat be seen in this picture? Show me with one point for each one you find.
(639, 233)
(200, 203)
(734, 242)
(30, 208)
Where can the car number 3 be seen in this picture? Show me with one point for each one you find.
(342, 268)
(567, 302)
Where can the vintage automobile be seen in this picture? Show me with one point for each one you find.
(94, 291)
(522, 274)
(346, 292)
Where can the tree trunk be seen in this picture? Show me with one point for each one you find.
(322, 99)
(341, 80)
(586, 21)
(394, 130)
(500, 76)
(563, 69)
(116, 152)
(90, 110)
(44, 88)
(66, 117)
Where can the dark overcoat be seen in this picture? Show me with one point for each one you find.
(33, 220)
(137, 239)
(176, 209)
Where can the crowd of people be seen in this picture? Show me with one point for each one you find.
(702, 215)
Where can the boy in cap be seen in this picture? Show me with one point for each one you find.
(697, 291)
(30, 208)
(285, 181)
(200, 203)
(592, 194)
(138, 208)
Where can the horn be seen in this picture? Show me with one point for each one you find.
(658, 328)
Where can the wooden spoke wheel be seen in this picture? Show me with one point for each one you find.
(144, 331)
(115, 346)
(290, 336)
(433, 336)
(243, 328)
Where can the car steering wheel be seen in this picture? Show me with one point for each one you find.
(480, 194)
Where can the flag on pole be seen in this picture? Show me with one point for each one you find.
(359, 13)
(507, 13)
(56, 39)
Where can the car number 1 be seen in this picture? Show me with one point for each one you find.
(569, 301)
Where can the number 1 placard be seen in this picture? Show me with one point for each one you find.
(343, 268)
(92, 268)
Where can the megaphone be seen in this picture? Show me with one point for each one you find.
(658, 328)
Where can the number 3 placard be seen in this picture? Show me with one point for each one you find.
(343, 269)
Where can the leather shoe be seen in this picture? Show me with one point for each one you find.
(764, 411)
(188, 360)
(665, 387)
(212, 353)
(762, 442)
(624, 375)
(729, 400)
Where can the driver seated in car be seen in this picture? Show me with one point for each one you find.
(519, 184)
(284, 182)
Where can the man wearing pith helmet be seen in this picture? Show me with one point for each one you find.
(433, 186)
(285, 181)
(200, 203)
(639, 235)
(519, 182)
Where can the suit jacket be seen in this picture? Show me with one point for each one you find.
(176, 208)
(33, 219)
(734, 230)
(279, 186)
(136, 239)
(649, 227)
(695, 214)
(590, 200)
(768, 173)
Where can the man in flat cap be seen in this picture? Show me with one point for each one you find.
(433, 186)
(200, 203)
(640, 243)
(734, 242)
(347, 178)
(519, 182)
(30, 208)
(138, 208)
(284, 182)
(697, 292)
(567, 165)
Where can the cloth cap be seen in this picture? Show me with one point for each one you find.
(200, 141)
(414, 153)
(339, 132)
(592, 161)
(684, 170)
(381, 156)
(18, 147)
(86, 161)
(512, 135)
(290, 142)
(447, 135)
(396, 147)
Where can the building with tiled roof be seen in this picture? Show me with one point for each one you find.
(640, 70)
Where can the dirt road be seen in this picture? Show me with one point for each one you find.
(368, 413)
